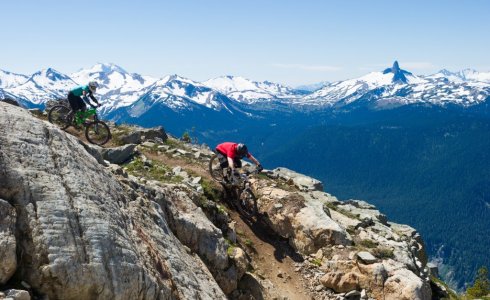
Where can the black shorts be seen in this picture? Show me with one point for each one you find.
(223, 161)
(76, 102)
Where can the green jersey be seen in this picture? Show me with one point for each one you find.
(78, 91)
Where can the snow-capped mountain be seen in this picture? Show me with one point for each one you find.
(312, 87)
(173, 92)
(10, 80)
(396, 87)
(467, 75)
(44, 85)
(113, 80)
(248, 91)
(118, 89)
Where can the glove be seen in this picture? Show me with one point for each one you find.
(259, 168)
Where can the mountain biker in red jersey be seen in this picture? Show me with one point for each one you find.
(75, 96)
(230, 155)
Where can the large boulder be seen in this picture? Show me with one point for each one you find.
(80, 234)
(405, 285)
(299, 217)
(138, 135)
(341, 282)
(8, 243)
(119, 155)
(303, 182)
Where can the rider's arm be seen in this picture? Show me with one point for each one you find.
(252, 158)
(256, 162)
(84, 96)
(93, 98)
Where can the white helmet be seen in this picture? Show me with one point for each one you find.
(93, 85)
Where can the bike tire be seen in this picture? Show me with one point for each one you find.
(215, 169)
(247, 203)
(60, 116)
(97, 133)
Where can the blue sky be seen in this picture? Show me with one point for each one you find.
(292, 42)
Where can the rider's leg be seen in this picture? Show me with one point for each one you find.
(72, 99)
(223, 163)
(237, 162)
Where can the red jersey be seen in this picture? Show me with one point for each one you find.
(228, 149)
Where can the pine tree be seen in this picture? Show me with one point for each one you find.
(481, 287)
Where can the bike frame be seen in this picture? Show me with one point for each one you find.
(82, 116)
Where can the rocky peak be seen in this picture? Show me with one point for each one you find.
(399, 75)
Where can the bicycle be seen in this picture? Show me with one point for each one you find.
(96, 131)
(239, 184)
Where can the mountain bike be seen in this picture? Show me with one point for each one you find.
(96, 131)
(238, 184)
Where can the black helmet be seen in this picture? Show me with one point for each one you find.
(241, 150)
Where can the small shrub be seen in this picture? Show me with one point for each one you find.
(210, 190)
(317, 262)
(351, 229)
(157, 171)
(383, 252)
(186, 137)
(248, 242)
(368, 243)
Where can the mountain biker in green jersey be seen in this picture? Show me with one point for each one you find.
(75, 96)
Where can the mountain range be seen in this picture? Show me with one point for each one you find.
(120, 90)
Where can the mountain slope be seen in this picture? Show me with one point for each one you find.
(248, 91)
(113, 80)
(10, 80)
(44, 85)
(423, 166)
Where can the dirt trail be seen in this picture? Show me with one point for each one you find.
(272, 257)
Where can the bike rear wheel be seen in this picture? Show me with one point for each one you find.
(97, 133)
(215, 169)
(247, 203)
(61, 116)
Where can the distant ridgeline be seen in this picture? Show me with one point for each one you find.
(418, 147)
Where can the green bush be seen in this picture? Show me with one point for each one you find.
(186, 137)
(368, 243)
(481, 287)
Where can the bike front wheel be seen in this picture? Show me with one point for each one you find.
(247, 203)
(61, 116)
(97, 133)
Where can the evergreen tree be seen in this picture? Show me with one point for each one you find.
(481, 287)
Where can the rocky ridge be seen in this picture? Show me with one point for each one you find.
(143, 221)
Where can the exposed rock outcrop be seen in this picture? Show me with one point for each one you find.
(142, 134)
(79, 235)
(354, 245)
(8, 244)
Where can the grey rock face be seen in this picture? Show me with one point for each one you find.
(8, 244)
(119, 155)
(83, 237)
(303, 182)
(136, 137)
(366, 257)
(17, 294)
